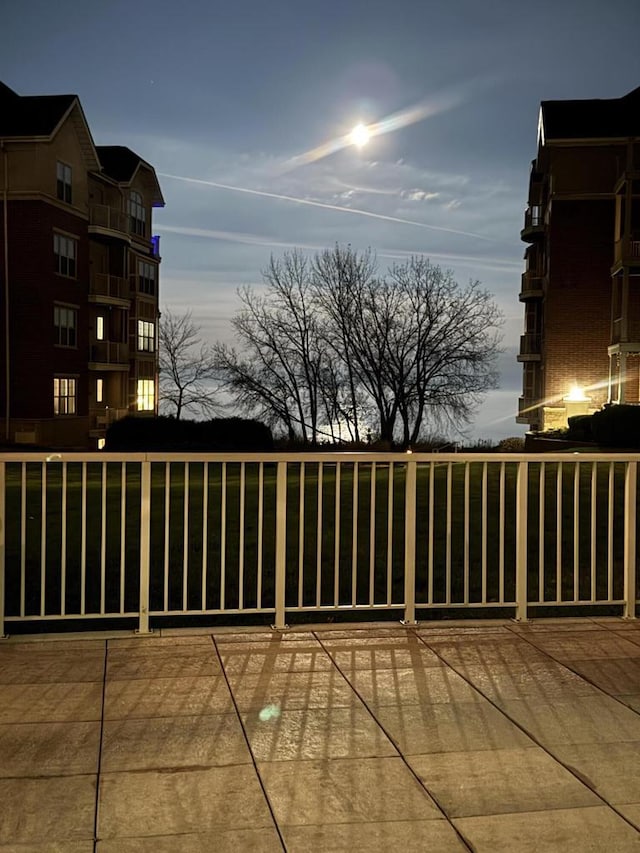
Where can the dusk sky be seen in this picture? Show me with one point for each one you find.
(223, 98)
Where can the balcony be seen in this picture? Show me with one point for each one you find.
(626, 252)
(530, 347)
(109, 289)
(107, 221)
(533, 223)
(102, 418)
(531, 286)
(109, 355)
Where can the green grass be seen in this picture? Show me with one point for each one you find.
(324, 575)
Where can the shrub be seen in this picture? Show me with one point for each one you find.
(617, 426)
(580, 428)
(163, 434)
(513, 444)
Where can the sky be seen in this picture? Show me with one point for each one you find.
(226, 99)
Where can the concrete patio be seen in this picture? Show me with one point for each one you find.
(443, 737)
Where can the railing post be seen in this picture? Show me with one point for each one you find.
(630, 494)
(522, 488)
(145, 545)
(410, 485)
(281, 546)
(3, 543)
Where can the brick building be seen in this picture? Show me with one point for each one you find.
(581, 342)
(78, 277)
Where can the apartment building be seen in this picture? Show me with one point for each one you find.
(78, 277)
(581, 285)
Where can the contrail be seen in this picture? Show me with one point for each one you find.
(339, 208)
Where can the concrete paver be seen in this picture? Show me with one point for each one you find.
(492, 737)
(167, 697)
(316, 733)
(184, 801)
(589, 830)
(415, 836)
(346, 790)
(500, 781)
(49, 749)
(47, 810)
(448, 727)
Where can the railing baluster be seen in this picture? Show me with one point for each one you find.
(466, 532)
(167, 532)
(319, 535)
(576, 532)
(145, 545)
(336, 544)
(501, 557)
(223, 535)
(372, 534)
(630, 498)
(83, 542)
(594, 520)
(390, 534)
(259, 525)
(123, 532)
(410, 485)
(301, 518)
(103, 536)
(354, 537)
(522, 490)
(449, 532)
(205, 535)
(281, 547)
(63, 542)
(3, 544)
(241, 525)
(43, 537)
(23, 538)
(185, 537)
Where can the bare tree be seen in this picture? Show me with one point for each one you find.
(278, 375)
(187, 367)
(333, 347)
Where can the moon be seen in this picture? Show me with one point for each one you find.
(360, 135)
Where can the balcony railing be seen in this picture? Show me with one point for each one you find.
(533, 222)
(530, 347)
(626, 251)
(104, 417)
(111, 286)
(531, 285)
(155, 536)
(109, 352)
(104, 217)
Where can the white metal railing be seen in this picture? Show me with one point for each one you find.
(146, 537)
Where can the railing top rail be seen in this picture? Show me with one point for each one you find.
(314, 457)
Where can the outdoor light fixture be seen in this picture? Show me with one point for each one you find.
(576, 395)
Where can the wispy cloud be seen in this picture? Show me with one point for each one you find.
(336, 207)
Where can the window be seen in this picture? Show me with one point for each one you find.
(99, 328)
(65, 323)
(64, 396)
(146, 278)
(99, 390)
(63, 182)
(137, 214)
(146, 395)
(64, 252)
(146, 336)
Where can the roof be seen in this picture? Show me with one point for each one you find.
(120, 164)
(31, 115)
(614, 118)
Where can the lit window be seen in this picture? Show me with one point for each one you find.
(99, 390)
(146, 278)
(146, 395)
(146, 336)
(64, 396)
(99, 328)
(102, 443)
(63, 182)
(64, 252)
(137, 214)
(65, 322)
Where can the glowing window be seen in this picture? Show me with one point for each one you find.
(64, 253)
(146, 395)
(99, 390)
(65, 322)
(63, 182)
(64, 395)
(99, 328)
(137, 214)
(146, 336)
(102, 442)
